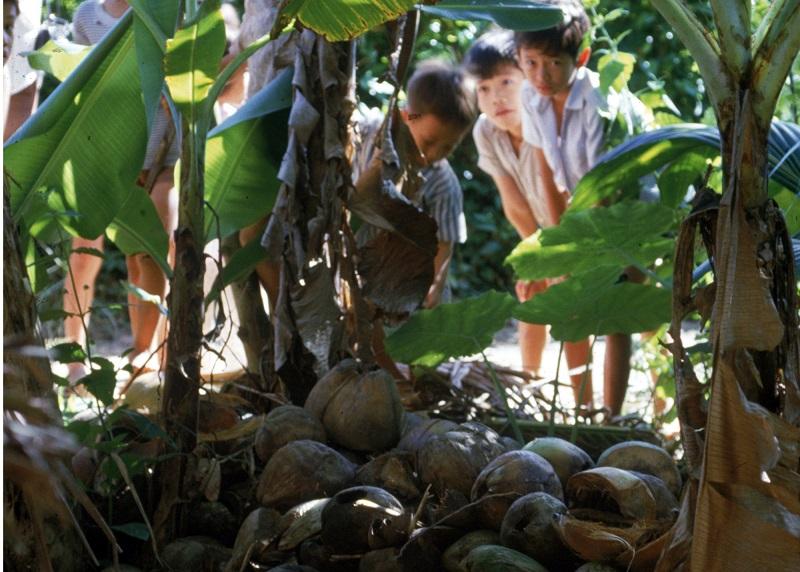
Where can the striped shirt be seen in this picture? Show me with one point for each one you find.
(90, 23)
(439, 196)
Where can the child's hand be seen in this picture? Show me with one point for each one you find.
(527, 289)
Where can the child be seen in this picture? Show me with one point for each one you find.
(508, 158)
(439, 112)
(561, 120)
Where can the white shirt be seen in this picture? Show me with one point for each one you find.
(496, 156)
(576, 149)
(91, 22)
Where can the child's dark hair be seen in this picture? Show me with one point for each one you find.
(441, 90)
(490, 53)
(565, 38)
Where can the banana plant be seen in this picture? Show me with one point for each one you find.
(734, 451)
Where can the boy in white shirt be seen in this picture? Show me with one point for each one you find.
(561, 120)
(509, 159)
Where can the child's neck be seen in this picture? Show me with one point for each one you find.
(559, 102)
(115, 8)
(515, 136)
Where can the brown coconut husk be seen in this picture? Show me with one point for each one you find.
(566, 458)
(360, 410)
(456, 552)
(392, 471)
(528, 527)
(517, 473)
(362, 518)
(644, 458)
(283, 425)
(301, 471)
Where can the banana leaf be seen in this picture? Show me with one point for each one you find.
(339, 20)
(509, 14)
(58, 59)
(243, 155)
(624, 165)
(84, 147)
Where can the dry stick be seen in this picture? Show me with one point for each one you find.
(512, 419)
(551, 428)
(417, 513)
(77, 525)
(574, 434)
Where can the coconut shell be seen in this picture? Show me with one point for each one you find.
(666, 503)
(306, 521)
(453, 460)
(392, 471)
(283, 425)
(453, 556)
(529, 527)
(301, 471)
(608, 489)
(566, 458)
(644, 458)
(362, 518)
(383, 560)
(420, 433)
(513, 475)
(360, 411)
(596, 541)
(262, 524)
(494, 558)
(424, 549)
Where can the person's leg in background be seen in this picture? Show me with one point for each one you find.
(532, 337)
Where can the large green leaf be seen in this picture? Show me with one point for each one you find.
(339, 20)
(510, 14)
(625, 164)
(625, 234)
(86, 143)
(154, 21)
(137, 228)
(58, 58)
(596, 303)
(450, 330)
(192, 59)
(243, 156)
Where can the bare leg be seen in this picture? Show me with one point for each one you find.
(532, 340)
(269, 273)
(577, 354)
(79, 295)
(20, 107)
(145, 316)
(616, 370)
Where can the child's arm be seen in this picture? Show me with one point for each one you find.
(441, 264)
(555, 200)
(515, 206)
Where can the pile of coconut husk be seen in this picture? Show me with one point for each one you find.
(353, 482)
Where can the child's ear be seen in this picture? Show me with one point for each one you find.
(404, 114)
(583, 57)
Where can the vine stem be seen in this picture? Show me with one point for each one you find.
(551, 428)
(512, 419)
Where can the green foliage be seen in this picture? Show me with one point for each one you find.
(242, 159)
(58, 59)
(339, 20)
(625, 234)
(137, 228)
(509, 14)
(596, 302)
(450, 330)
(192, 60)
(94, 119)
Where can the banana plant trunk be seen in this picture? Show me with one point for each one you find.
(182, 379)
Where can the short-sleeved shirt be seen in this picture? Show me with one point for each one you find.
(576, 149)
(496, 156)
(90, 23)
(439, 197)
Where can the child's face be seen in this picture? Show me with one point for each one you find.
(500, 97)
(435, 139)
(550, 75)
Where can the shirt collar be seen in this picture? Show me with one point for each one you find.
(580, 89)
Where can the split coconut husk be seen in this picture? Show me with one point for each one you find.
(622, 495)
(420, 433)
(566, 458)
(644, 458)
(508, 477)
(261, 525)
(456, 552)
(283, 425)
(360, 410)
(304, 521)
(529, 527)
(360, 519)
(392, 471)
(494, 558)
(301, 471)
(452, 461)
